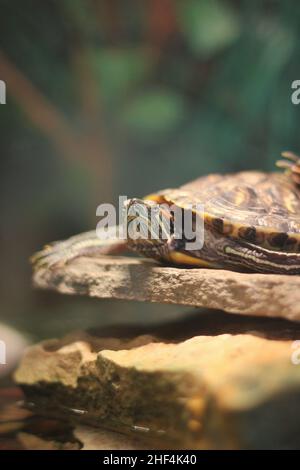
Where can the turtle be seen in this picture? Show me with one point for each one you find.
(251, 222)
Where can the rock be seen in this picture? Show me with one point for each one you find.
(134, 279)
(239, 389)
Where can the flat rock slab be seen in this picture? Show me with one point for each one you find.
(136, 279)
(239, 389)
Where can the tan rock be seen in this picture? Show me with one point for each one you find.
(231, 390)
(133, 279)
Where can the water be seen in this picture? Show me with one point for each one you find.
(20, 428)
(24, 426)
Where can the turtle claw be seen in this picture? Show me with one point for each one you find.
(291, 156)
(291, 165)
(49, 258)
(54, 254)
(59, 253)
(291, 161)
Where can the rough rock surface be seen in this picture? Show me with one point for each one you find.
(135, 279)
(239, 389)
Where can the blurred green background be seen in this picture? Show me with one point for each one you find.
(109, 97)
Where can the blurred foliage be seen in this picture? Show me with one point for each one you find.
(154, 93)
(209, 26)
(154, 112)
(119, 70)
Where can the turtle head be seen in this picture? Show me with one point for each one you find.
(149, 227)
(153, 229)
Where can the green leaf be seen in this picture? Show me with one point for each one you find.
(119, 70)
(155, 111)
(208, 25)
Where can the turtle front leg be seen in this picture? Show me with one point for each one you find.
(85, 244)
(291, 164)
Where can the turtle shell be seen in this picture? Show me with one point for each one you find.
(261, 208)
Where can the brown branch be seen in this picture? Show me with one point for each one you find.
(93, 139)
(83, 147)
(38, 109)
(109, 18)
(86, 83)
(162, 22)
